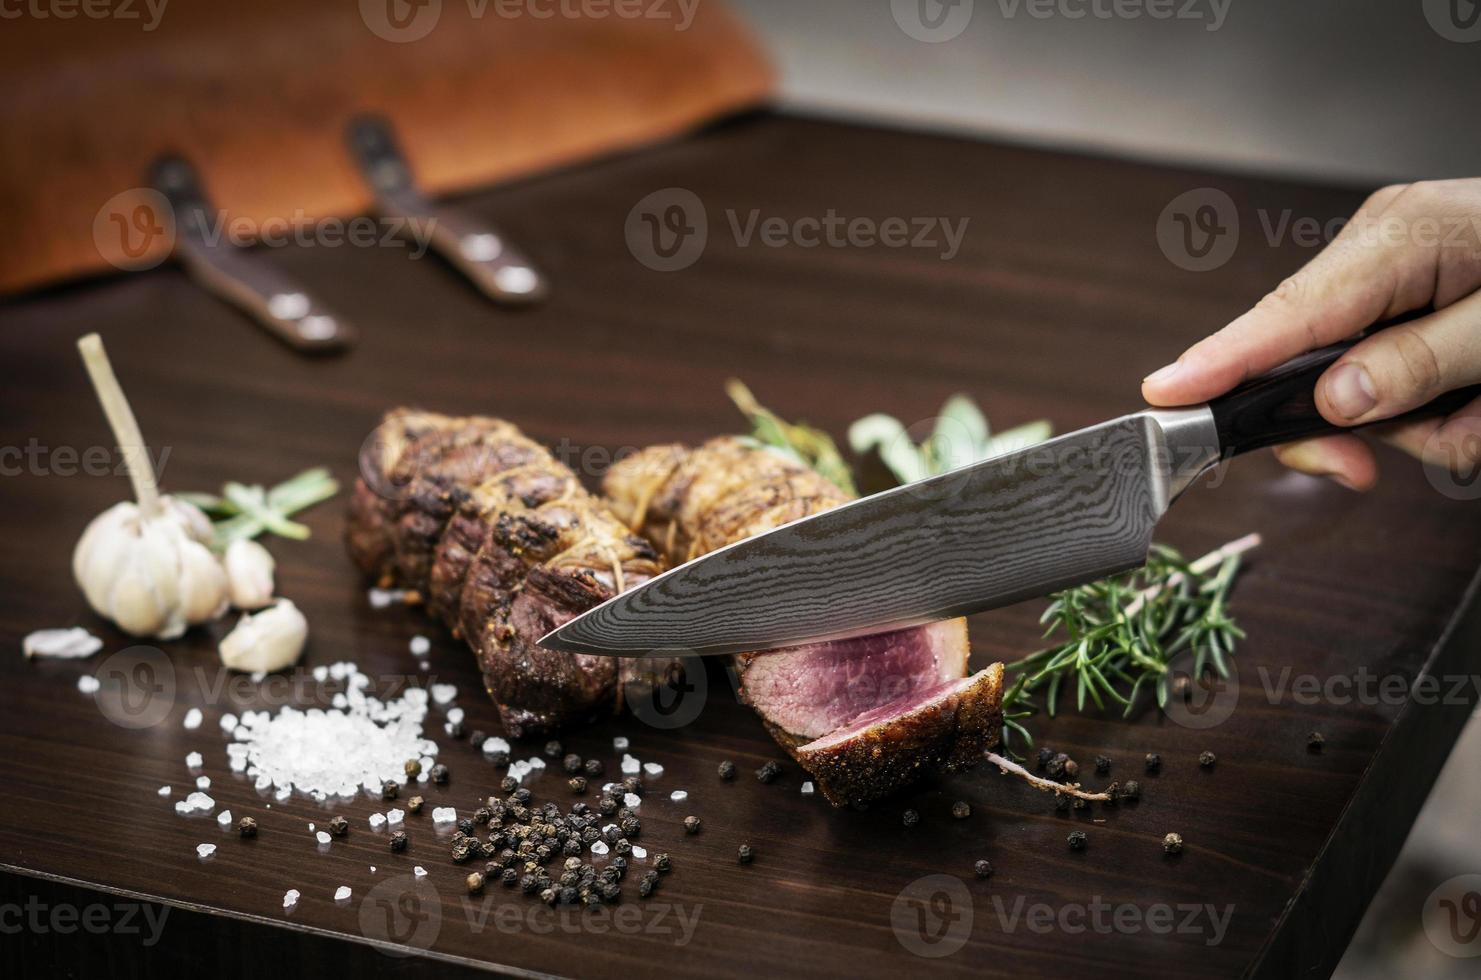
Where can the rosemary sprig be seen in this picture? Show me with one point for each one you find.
(811, 446)
(1121, 634)
(243, 511)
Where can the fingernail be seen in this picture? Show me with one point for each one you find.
(1163, 373)
(1343, 481)
(1351, 391)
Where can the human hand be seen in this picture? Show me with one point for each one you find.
(1408, 246)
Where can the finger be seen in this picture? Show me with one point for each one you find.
(1359, 279)
(1404, 367)
(1344, 458)
(1453, 442)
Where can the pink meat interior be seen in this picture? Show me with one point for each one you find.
(819, 688)
(902, 709)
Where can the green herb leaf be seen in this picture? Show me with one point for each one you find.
(246, 511)
(811, 446)
(960, 437)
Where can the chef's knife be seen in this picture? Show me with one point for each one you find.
(1047, 517)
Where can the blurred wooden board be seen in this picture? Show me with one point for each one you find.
(1058, 302)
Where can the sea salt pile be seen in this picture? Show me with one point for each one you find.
(362, 742)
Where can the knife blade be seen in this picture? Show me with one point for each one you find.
(1077, 507)
(1044, 518)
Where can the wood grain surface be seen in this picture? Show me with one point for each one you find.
(1058, 302)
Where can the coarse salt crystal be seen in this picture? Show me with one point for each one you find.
(164, 791)
(258, 676)
(283, 792)
(639, 852)
(193, 719)
(342, 893)
(203, 782)
(372, 869)
(224, 818)
(653, 769)
(290, 898)
(321, 673)
(322, 837)
(495, 744)
(205, 851)
(381, 598)
(394, 817)
(444, 814)
(630, 766)
(88, 684)
(419, 871)
(443, 693)
(420, 646)
(620, 743)
(598, 847)
(193, 760)
(377, 821)
(65, 643)
(454, 715)
(632, 800)
(807, 788)
(228, 723)
(678, 796)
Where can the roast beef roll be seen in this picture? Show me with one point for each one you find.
(504, 544)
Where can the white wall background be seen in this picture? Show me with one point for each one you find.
(1355, 90)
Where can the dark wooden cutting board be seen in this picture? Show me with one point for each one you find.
(1058, 303)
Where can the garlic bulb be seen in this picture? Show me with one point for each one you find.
(144, 565)
(153, 576)
(249, 574)
(268, 640)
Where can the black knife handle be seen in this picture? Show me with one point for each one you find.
(1280, 406)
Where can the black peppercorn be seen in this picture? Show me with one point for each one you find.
(571, 763)
(745, 854)
(727, 770)
(768, 772)
(1081, 803)
(1102, 765)
(398, 841)
(1206, 759)
(482, 815)
(983, 868)
(389, 790)
(1154, 762)
(1046, 755)
(593, 767)
(645, 887)
(1173, 843)
(413, 768)
(1061, 802)
(1113, 793)
(247, 827)
(510, 877)
(633, 785)
(521, 795)
(662, 864)
(553, 749)
(1077, 840)
(1315, 741)
(438, 774)
(568, 896)
(1056, 764)
(1132, 790)
(910, 818)
(572, 847)
(631, 827)
(339, 826)
(508, 784)
(622, 846)
(465, 825)
(475, 883)
(961, 810)
(462, 851)
(691, 825)
(619, 864)
(577, 784)
(606, 806)
(1071, 768)
(549, 896)
(415, 804)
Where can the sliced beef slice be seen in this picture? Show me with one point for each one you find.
(689, 502)
(939, 729)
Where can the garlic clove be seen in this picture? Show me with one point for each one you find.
(268, 640)
(204, 592)
(249, 574)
